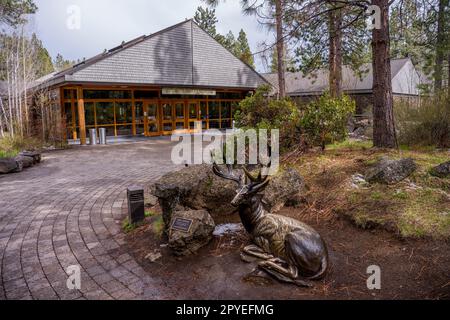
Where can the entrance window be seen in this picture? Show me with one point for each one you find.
(141, 94)
(203, 110)
(153, 127)
(179, 110)
(193, 111)
(167, 111)
(214, 110)
(124, 112)
(68, 113)
(124, 130)
(67, 94)
(107, 94)
(226, 110)
(105, 113)
(152, 112)
(89, 113)
(214, 115)
(139, 115)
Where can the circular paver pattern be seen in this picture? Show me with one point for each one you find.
(68, 211)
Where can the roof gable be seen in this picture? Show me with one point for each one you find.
(182, 55)
(406, 80)
(214, 65)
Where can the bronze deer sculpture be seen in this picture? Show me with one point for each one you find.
(287, 249)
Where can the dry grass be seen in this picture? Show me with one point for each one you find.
(11, 146)
(416, 207)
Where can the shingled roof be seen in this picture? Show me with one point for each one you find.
(405, 80)
(181, 55)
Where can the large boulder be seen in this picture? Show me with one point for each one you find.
(25, 160)
(285, 187)
(8, 165)
(442, 170)
(36, 156)
(187, 242)
(197, 188)
(390, 171)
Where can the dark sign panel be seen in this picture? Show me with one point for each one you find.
(182, 224)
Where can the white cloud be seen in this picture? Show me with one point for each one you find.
(106, 23)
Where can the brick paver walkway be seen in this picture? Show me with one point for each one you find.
(68, 211)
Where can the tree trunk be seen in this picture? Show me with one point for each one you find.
(440, 47)
(384, 135)
(280, 48)
(335, 54)
(448, 65)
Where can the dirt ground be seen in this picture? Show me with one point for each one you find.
(416, 267)
(410, 269)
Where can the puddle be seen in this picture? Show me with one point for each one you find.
(227, 228)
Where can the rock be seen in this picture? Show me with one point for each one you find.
(154, 256)
(283, 187)
(35, 155)
(197, 188)
(358, 181)
(9, 165)
(442, 170)
(390, 171)
(150, 200)
(26, 161)
(200, 233)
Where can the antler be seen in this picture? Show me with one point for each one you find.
(229, 175)
(260, 179)
(256, 181)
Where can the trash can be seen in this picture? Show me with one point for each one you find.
(92, 137)
(102, 135)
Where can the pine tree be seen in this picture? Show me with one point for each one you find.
(12, 11)
(290, 61)
(61, 64)
(43, 60)
(242, 49)
(206, 19)
(270, 13)
(331, 35)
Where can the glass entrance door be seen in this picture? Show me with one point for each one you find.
(152, 126)
(193, 114)
(180, 118)
(167, 117)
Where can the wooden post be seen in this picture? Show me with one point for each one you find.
(63, 113)
(133, 110)
(81, 116)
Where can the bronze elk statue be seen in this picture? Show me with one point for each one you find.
(285, 248)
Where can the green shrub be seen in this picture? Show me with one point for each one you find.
(262, 112)
(325, 119)
(424, 124)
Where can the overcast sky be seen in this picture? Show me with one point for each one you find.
(106, 23)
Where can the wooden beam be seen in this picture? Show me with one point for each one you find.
(81, 116)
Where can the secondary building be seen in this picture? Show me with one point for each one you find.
(406, 81)
(154, 85)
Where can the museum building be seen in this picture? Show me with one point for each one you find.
(154, 85)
